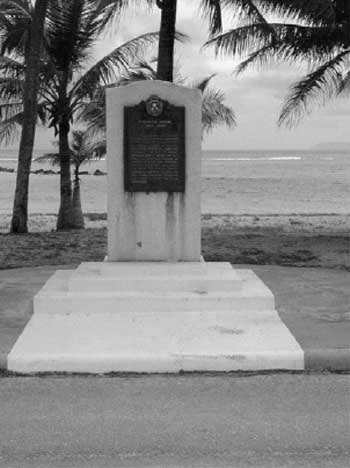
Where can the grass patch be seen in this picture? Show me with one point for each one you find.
(226, 243)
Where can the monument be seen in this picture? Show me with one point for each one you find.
(154, 173)
(154, 305)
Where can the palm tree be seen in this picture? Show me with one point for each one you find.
(166, 39)
(319, 36)
(82, 150)
(71, 31)
(21, 29)
(211, 9)
(167, 33)
(247, 10)
(214, 110)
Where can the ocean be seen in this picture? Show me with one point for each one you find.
(234, 182)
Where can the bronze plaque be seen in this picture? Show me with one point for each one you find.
(154, 147)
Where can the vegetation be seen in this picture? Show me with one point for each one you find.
(212, 8)
(82, 150)
(70, 34)
(71, 27)
(318, 34)
(221, 241)
(245, 10)
(214, 110)
(21, 32)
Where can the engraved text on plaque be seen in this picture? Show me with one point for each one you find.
(154, 147)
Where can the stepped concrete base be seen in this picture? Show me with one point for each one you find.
(154, 317)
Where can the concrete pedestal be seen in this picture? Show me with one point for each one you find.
(154, 306)
(154, 317)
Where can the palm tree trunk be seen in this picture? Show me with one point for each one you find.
(347, 20)
(20, 206)
(65, 218)
(165, 68)
(77, 208)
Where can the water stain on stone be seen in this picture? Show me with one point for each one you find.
(229, 331)
(335, 318)
(232, 357)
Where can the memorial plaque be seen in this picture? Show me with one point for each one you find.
(154, 147)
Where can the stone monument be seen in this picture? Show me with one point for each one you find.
(154, 172)
(154, 305)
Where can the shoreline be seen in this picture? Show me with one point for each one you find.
(293, 223)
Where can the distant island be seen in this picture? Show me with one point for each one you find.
(332, 146)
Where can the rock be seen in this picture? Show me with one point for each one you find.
(98, 172)
(6, 169)
(44, 172)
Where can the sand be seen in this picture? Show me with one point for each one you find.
(243, 221)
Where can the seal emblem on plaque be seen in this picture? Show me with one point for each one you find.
(154, 106)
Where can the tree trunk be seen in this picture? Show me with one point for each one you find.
(20, 206)
(165, 67)
(77, 209)
(65, 218)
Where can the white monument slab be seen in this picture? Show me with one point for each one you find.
(150, 225)
(155, 305)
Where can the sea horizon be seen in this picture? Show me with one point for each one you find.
(11, 154)
(233, 181)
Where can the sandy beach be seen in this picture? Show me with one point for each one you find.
(294, 212)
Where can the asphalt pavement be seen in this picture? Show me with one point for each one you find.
(264, 421)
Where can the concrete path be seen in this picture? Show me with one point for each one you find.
(265, 421)
(313, 303)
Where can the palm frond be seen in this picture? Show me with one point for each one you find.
(312, 11)
(214, 110)
(212, 11)
(113, 9)
(11, 88)
(43, 112)
(9, 108)
(10, 127)
(93, 114)
(344, 87)
(246, 11)
(113, 64)
(285, 41)
(11, 66)
(98, 148)
(240, 40)
(53, 158)
(202, 84)
(15, 7)
(73, 26)
(15, 20)
(316, 88)
(142, 70)
(259, 58)
(109, 11)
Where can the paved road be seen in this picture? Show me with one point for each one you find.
(280, 421)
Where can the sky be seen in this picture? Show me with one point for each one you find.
(256, 96)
